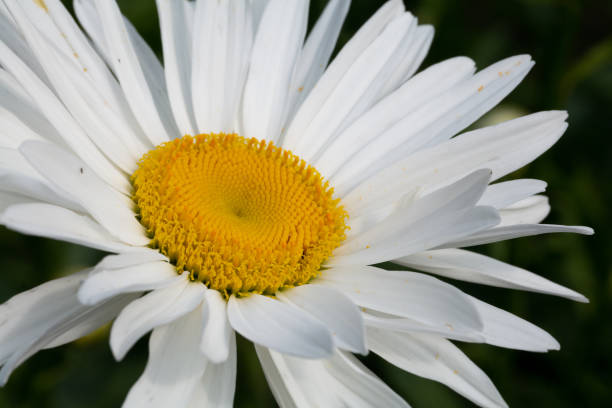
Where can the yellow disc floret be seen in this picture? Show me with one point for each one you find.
(240, 215)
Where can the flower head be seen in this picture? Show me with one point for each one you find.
(249, 185)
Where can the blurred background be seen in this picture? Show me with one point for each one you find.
(571, 42)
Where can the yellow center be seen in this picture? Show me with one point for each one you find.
(240, 215)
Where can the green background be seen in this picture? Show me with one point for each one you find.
(571, 42)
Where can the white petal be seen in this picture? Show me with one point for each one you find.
(385, 321)
(275, 51)
(130, 259)
(407, 294)
(504, 329)
(341, 64)
(75, 179)
(473, 267)
(442, 216)
(437, 120)
(217, 332)
(177, 61)
(96, 82)
(103, 284)
(224, 35)
(501, 195)
(439, 360)
(502, 148)
(80, 98)
(152, 111)
(46, 220)
(17, 176)
(424, 86)
(61, 119)
(174, 368)
(354, 93)
(21, 118)
(279, 326)
(420, 42)
(316, 53)
(218, 384)
(47, 316)
(157, 308)
(514, 231)
(340, 381)
(531, 210)
(12, 38)
(335, 310)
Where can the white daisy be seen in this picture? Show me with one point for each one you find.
(302, 175)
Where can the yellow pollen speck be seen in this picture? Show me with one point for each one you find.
(455, 372)
(300, 89)
(480, 88)
(501, 74)
(240, 215)
(437, 356)
(507, 72)
(84, 69)
(76, 55)
(41, 4)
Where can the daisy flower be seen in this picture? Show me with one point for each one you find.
(249, 185)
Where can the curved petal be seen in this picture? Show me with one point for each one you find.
(407, 294)
(340, 381)
(221, 54)
(473, 267)
(218, 384)
(155, 309)
(275, 51)
(174, 368)
(341, 316)
(103, 284)
(51, 221)
(279, 326)
(217, 332)
(439, 360)
(75, 179)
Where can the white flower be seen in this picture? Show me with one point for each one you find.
(220, 233)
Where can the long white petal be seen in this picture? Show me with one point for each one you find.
(439, 360)
(223, 38)
(385, 321)
(218, 384)
(473, 267)
(48, 316)
(506, 193)
(58, 115)
(103, 284)
(502, 148)
(177, 61)
(420, 42)
(341, 64)
(316, 53)
(155, 309)
(75, 179)
(424, 86)
(275, 51)
(503, 329)
(407, 294)
(425, 224)
(333, 308)
(340, 381)
(354, 93)
(515, 231)
(51, 221)
(439, 119)
(279, 326)
(152, 111)
(531, 210)
(174, 368)
(217, 332)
